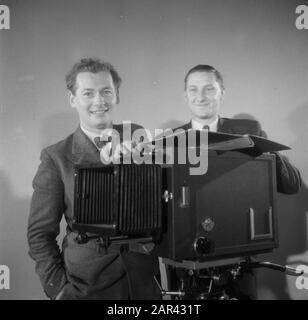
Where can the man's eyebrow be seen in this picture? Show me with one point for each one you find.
(91, 89)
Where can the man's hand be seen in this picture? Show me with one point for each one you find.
(130, 147)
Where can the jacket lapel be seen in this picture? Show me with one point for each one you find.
(83, 149)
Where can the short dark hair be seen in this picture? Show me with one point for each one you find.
(206, 68)
(93, 65)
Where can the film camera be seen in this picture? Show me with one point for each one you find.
(206, 228)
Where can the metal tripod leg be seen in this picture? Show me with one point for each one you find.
(164, 277)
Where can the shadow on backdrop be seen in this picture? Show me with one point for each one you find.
(24, 282)
(292, 225)
(13, 245)
(298, 255)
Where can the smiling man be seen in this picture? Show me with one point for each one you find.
(94, 98)
(83, 271)
(203, 93)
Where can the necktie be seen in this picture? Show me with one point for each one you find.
(104, 147)
(101, 143)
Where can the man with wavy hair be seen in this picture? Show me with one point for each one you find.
(82, 271)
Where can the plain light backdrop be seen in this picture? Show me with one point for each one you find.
(254, 43)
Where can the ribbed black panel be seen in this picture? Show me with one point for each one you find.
(128, 196)
(94, 196)
(140, 198)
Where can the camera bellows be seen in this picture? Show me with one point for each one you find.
(125, 198)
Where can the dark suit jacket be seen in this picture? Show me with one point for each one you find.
(83, 271)
(288, 177)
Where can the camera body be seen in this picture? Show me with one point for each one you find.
(229, 211)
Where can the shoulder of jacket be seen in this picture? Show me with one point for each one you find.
(61, 146)
(254, 125)
(241, 121)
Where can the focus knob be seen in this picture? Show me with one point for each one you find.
(202, 246)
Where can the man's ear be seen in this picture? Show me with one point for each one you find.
(72, 99)
(223, 92)
(185, 96)
(117, 96)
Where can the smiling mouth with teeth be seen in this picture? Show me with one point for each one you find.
(99, 111)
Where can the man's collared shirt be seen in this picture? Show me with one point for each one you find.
(199, 126)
